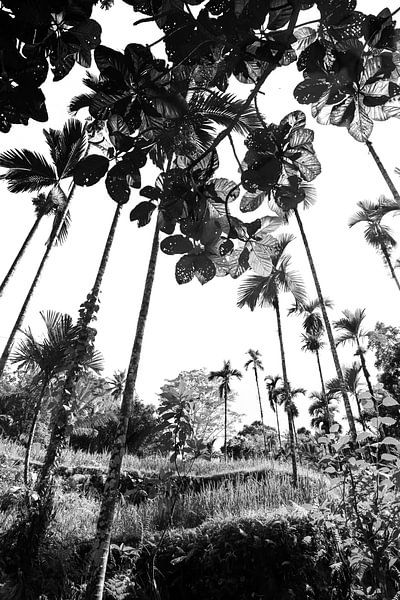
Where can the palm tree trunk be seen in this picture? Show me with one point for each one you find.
(365, 371)
(383, 172)
(277, 424)
(98, 563)
(32, 431)
(20, 254)
(362, 420)
(389, 264)
(346, 401)
(61, 428)
(22, 313)
(328, 414)
(287, 390)
(225, 424)
(261, 411)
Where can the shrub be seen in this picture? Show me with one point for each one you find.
(280, 558)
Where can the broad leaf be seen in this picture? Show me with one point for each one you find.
(176, 244)
(251, 201)
(142, 213)
(205, 269)
(184, 269)
(117, 184)
(90, 170)
(260, 259)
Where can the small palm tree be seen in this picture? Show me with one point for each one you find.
(287, 400)
(321, 411)
(350, 328)
(47, 358)
(352, 379)
(265, 291)
(273, 383)
(313, 326)
(116, 384)
(225, 375)
(377, 235)
(256, 364)
(28, 171)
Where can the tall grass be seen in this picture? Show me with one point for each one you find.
(11, 450)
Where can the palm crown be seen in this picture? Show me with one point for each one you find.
(262, 291)
(350, 327)
(51, 355)
(254, 360)
(225, 375)
(376, 233)
(311, 312)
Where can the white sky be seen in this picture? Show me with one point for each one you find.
(191, 326)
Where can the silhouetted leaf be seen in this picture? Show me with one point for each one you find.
(90, 170)
(176, 244)
(226, 247)
(184, 269)
(142, 213)
(204, 268)
(117, 184)
(310, 90)
(150, 192)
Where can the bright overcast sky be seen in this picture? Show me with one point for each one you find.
(194, 326)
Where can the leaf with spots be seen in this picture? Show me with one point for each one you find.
(117, 184)
(90, 170)
(205, 269)
(184, 269)
(176, 244)
(251, 201)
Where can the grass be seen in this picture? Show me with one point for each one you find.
(76, 513)
(11, 450)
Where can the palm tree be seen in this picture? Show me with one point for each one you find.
(82, 347)
(309, 193)
(321, 411)
(273, 383)
(350, 328)
(287, 400)
(226, 112)
(351, 376)
(314, 327)
(29, 171)
(376, 234)
(43, 205)
(48, 358)
(116, 384)
(225, 375)
(255, 362)
(264, 291)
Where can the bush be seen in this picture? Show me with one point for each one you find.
(280, 558)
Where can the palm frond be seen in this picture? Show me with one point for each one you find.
(75, 143)
(223, 109)
(27, 171)
(256, 290)
(79, 102)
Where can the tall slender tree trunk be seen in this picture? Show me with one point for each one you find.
(328, 414)
(99, 557)
(61, 429)
(261, 411)
(365, 371)
(18, 323)
(383, 171)
(32, 430)
(389, 264)
(362, 420)
(225, 424)
(277, 423)
(346, 400)
(287, 391)
(20, 254)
